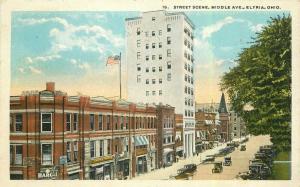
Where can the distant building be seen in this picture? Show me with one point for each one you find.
(238, 125)
(160, 62)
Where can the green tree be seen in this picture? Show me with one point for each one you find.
(262, 78)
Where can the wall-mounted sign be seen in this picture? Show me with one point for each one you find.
(48, 173)
(101, 159)
(63, 159)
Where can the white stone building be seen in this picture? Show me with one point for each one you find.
(159, 56)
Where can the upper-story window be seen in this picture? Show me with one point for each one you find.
(138, 43)
(160, 45)
(108, 122)
(92, 122)
(153, 57)
(169, 77)
(68, 151)
(19, 122)
(147, 46)
(168, 40)
(138, 55)
(92, 149)
(153, 81)
(169, 64)
(146, 33)
(147, 58)
(75, 152)
(138, 78)
(160, 92)
(147, 69)
(147, 81)
(153, 18)
(160, 32)
(46, 122)
(138, 67)
(153, 33)
(169, 53)
(138, 31)
(153, 69)
(169, 28)
(160, 80)
(100, 122)
(160, 57)
(68, 122)
(75, 121)
(47, 154)
(153, 45)
(147, 93)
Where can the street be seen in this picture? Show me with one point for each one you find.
(240, 161)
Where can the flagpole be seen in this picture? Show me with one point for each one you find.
(120, 78)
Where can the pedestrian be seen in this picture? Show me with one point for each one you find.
(197, 153)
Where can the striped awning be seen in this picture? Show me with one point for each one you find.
(140, 140)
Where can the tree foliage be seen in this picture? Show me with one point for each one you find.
(262, 78)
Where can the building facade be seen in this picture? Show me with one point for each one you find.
(165, 135)
(238, 125)
(159, 55)
(56, 136)
(226, 133)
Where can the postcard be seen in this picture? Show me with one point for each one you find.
(122, 92)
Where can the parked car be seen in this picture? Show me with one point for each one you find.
(190, 168)
(218, 167)
(243, 148)
(209, 159)
(227, 161)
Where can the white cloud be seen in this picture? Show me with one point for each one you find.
(34, 70)
(256, 28)
(34, 21)
(209, 30)
(22, 70)
(84, 65)
(46, 58)
(80, 65)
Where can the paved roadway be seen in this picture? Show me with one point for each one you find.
(240, 162)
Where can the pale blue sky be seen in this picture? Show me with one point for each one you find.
(71, 48)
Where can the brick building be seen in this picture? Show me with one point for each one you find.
(224, 117)
(56, 136)
(179, 135)
(165, 135)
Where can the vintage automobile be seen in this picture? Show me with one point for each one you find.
(181, 174)
(190, 168)
(260, 169)
(243, 148)
(218, 168)
(227, 161)
(209, 159)
(264, 157)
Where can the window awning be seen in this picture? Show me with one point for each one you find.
(167, 150)
(140, 140)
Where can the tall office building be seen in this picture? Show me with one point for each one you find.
(159, 55)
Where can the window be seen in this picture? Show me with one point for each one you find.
(192, 80)
(160, 57)
(46, 122)
(108, 122)
(126, 122)
(159, 44)
(19, 122)
(116, 122)
(75, 121)
(153, 45)
(92, 121)
(185, 89)
(189, 67)
(138, 31)
(46, 154)
(185, 66)
(153, 81)
(92, 149)
(108, 147)
(68, 122)
(138, 43)
(169, 77)
(122, 122)
(146, 33)
(138, 78)
(153, 33)
(147, 58)
(160, 68)
(185, 77)
(116, 148)
(160, 92)
(192, 92)
(168, 40)
(160, 32)
(169, 53)
(75, 153)
(169, 64)
(138, 55)
(185, 42)
(18, 157)
(147, 69)
(153, 69)
(169, 28)
(147, 46)
(160, 81)
(100, 122)
(153, 57)
(153, 18)
(101, 150)
(153, 93)
(147, 81)
(68, 151)
(147, 93)
(138, 67)
(192, 69)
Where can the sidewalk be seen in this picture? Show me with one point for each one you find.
(165, 173)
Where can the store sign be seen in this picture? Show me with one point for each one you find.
(141, 151)
(48, 173)
(99, 170)
(101, 159)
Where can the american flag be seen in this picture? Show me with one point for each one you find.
(113, 60)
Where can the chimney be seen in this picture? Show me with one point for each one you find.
(50, 86)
